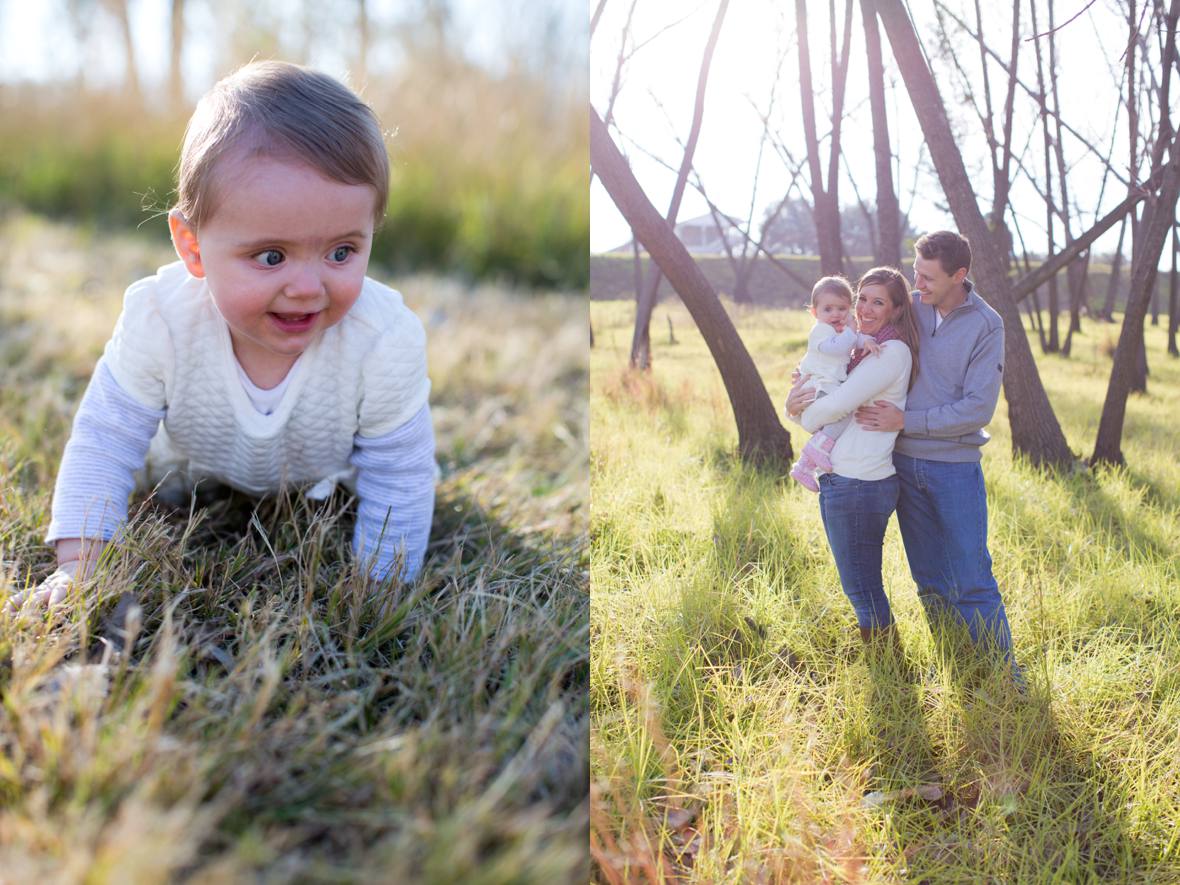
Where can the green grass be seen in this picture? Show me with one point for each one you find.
(737, 727)
(268, 717)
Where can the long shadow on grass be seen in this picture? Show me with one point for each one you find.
(440, 726)
(713, 631)
(1019, 803)
(895, 733)
(1107, 515)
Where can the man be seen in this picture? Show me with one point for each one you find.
(942, 505)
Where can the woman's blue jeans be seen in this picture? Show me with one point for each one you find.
(855, 513)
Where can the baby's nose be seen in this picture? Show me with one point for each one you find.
(304, 281)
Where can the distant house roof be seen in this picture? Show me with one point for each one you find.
(701, 235)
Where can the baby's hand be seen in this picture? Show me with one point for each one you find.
(47, 594)
(871, 346)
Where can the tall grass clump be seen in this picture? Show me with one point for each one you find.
(230, 699)
(740, 732)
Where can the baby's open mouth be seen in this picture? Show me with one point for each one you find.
(294, 321)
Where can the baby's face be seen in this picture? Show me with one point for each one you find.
(833, 310)
(284, 255)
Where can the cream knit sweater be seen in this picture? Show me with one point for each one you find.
(860, 453)
(171, 349)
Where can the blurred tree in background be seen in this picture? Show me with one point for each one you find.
(484, 104)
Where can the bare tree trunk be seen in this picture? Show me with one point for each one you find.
(122, 15)
(1155, 305)
(1137, 364)
(641, 340)
(1116, 267)
(596, 16)
(888, 246)
(1173, 320)
(362, 52)
(1076, 271)
(1002, 171)
(741, 282)
(1076, 304)
(1036, 432)
(1054, 341)
(1158, 219)
(1140, 370)
(176, 54)
(825, 199)
(1034, 309)
(762, 439)
(1034, 301)
(637, 265)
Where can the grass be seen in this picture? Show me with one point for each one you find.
(232, 702)
(740, 734)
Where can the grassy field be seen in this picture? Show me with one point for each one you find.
(229, 704)
(739, 734)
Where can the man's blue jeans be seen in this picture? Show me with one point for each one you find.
(942, 513)
(855, 513)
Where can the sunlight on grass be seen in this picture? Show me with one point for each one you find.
(740, 733)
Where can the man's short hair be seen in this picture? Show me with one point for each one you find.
(952, 250)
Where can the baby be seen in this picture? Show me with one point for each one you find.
(264, 357)
(829, 348)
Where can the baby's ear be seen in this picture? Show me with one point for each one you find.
(184, 240)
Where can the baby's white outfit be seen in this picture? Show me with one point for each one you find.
(826, 360)
(828, 353)
(357, 397)
(365, 375)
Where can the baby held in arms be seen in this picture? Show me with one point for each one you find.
(829, 348)
(264, 357)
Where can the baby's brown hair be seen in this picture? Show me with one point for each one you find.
(277, 109)
(831, 286)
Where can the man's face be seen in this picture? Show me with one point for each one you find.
(935, 286)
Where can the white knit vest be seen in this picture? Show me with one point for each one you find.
(171, 350)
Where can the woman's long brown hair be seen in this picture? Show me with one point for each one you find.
(906, 322)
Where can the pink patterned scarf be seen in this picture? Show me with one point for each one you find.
(886, 333)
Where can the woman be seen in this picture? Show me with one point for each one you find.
(857, 498)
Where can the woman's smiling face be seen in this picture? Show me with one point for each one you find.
(873, 308)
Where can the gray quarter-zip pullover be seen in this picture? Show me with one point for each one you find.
(961, 366)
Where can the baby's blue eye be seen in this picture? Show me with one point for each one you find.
(270, 258)
(340, 253)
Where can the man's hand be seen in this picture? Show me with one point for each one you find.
(47, 594)
(881, 415)
(800, 396)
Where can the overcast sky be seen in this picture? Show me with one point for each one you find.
(655, 104)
